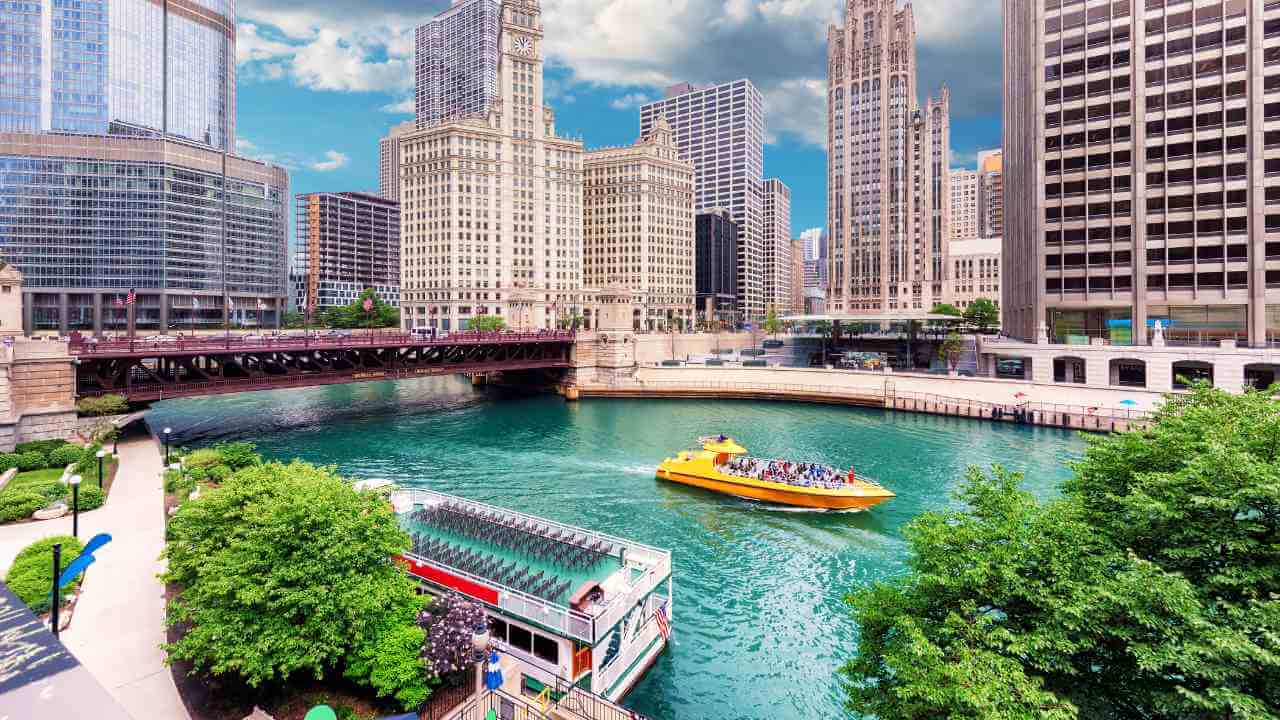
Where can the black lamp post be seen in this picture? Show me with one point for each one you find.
(166, 445)
(101, 454)
(57, 591)
(75, 505)
(115, 442)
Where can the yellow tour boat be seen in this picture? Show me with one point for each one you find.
(723, 466)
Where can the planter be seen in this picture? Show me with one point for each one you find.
(51, 513)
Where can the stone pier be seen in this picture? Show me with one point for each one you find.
(37, 392)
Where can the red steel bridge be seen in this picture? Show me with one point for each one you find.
(152, 369)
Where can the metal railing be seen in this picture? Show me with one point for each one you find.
(583, 626)
(90, 346)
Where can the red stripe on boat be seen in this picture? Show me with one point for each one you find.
(435, 575)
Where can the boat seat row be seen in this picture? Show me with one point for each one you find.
(507, 573)
(562, 547)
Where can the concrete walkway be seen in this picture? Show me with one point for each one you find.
(118, 625)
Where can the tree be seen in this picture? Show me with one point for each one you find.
(1148, 590)
(772, 324)
(950, 349)
(286, 570)
(946, 309)
(294, 320)
(982, 314)
(354, 315)
(488, 323)
(448, 624)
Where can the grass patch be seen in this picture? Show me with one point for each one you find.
(24, 480)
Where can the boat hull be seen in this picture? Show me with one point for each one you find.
(775, 493)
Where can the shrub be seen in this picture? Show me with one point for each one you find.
(66, 455)
(50, 490)
(219, 473)
(20, 504)
(239, 455)
(32, 460)
(202, 458)
(91, 498)
(8, 461)
(105, 405)
(31, 576)
(44, 447)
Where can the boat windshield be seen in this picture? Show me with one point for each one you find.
(783, 471)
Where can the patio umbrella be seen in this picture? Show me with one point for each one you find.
(1129, 402)
(493, 673)
(321, 712)
(1019, 394)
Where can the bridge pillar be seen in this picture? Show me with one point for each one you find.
(37, 386)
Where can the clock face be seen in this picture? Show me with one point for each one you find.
(523, 45)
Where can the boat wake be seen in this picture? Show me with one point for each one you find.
(794, 509)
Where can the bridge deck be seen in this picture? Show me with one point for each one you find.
(179, 345)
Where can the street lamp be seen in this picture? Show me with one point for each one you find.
(101, 454)
(166, 445)
(75, 505)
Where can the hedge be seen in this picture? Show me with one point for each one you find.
(44, 447)
(91, 498)
(105, 405)
(65, 455)
(31, 576)
(20, 505)
(32, 460)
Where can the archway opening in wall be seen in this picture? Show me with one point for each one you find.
(1127, 372)
(1070, 370)
(1190, 371)
(1261, 375)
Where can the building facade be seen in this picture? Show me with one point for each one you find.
(889, 204)
(990, 193)
(389, 160)
(492, 206)
(199, 235)
(116, 126)
(717, 267)
(964, 205)
(96, 67)
(638, 226)
(456, 61)
(720, 129)
(777, 246)
(1136, 139)
(796, 305)
(815, 243)
(975, 271)
(346, 243)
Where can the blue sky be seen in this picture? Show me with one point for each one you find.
(319, 84)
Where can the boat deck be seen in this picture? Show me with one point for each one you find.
(541, 560)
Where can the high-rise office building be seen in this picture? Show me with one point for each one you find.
(777, 245)
(716, 259)
(797, 278)
(991, 193)
(889, 204)
(389, 160)
(638, 224)
(1137, 170)
(456, 62)
(116, 125)
(964, 204)
(814, 240)
(347, 243)
(491, 206)
(720, 129)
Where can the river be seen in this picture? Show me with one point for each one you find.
(760, 622)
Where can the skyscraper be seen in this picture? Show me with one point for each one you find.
(717, 266)
(639, 226)
(389, 160)
(129, 66)
(888, 210)
(1135, 147)
(814, 247)
(347, 243)
(991, 193)
(116, 125)
(720, 129)
(777, 245)
(492, 205)
(964, 204)
(456, 60)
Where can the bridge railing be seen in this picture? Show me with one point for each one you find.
(356, 339)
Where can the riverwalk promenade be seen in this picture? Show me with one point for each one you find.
(118, 626)
(1075, 407)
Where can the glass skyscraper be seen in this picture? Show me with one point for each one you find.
(117, 119)
(456, 62)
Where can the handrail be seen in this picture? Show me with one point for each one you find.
(85, 346)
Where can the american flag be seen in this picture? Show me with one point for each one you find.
(131, 297)
(664, 622)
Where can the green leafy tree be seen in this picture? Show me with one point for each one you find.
(488, 323)
(982, 314)
(283, 571)
(946, 309)
(294, 320)
(950, 349)
(772, 324)
(381, 315)
(104, 405)
(1151, 589)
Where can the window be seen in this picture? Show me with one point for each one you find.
(520, 639)
(544, 648)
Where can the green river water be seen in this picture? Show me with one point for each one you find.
(760, 622)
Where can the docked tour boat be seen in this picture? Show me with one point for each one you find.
(722, 465)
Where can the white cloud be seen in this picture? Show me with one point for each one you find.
(629, 101)
(333, 161)
(404, 106)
